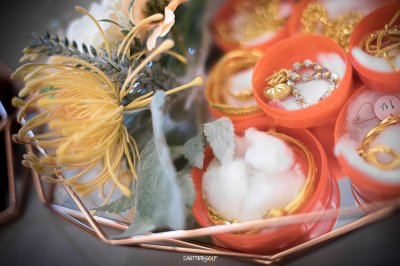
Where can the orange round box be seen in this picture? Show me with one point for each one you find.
(366, 187)
(222, 17)
(283, 55)
(382, 81)
(269, 241)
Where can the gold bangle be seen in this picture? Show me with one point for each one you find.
(315, 18)
(370, 154)
(385, 42)
(301, 199)
(215, 91)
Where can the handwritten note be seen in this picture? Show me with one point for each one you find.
(387, 106)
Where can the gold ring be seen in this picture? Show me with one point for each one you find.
(370, 154)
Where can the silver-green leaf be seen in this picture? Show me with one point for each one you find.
(220, 135)
(194, 151)
(158, 203)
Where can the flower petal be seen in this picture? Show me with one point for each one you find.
(152, 39)
(168, 22)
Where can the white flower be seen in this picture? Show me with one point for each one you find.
(83, 30)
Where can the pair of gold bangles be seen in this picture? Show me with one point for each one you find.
(370, 154)
(281, 84)
(295, 205)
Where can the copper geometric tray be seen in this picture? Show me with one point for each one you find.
(104, 228)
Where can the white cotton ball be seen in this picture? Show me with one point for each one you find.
(334, 62)
(269, 192)
(240, 147)
(262, 176)
(225, 187)
(373, 62)
(337, 8)
(267, 153)
(313, 90)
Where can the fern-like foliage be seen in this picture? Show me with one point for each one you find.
(48, 45)
(152, 78)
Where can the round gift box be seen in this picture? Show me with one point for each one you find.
(268, 241)
(225, 13)
(382, 81)
(283, 55)
(367, 188)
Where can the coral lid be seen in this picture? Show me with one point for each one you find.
(283, 55)
(382, 81)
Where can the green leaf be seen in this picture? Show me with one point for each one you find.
(158, 202)
(194, 151)
(117, 206)
(220, 135)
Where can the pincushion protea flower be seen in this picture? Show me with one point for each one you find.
(78, 118)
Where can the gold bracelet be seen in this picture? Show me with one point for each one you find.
(301, 199)
(261, 17)
(281, 84)
(384, 42)
(370, 154)
(216, 88)
(315, 18)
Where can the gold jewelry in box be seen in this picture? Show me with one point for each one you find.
(370, 154)
(261, 17)
(315, 19)
(302, 198)
(216, 88)
(385, 42)
(282, 84)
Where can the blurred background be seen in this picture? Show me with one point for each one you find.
(38, 237)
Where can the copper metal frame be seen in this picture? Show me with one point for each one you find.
(15, 199)
(93, 225)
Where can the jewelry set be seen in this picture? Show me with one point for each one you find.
(384, 43)
(282, 84)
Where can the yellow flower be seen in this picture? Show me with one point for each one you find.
(84, 122)
(142, 9)
(73, 114)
